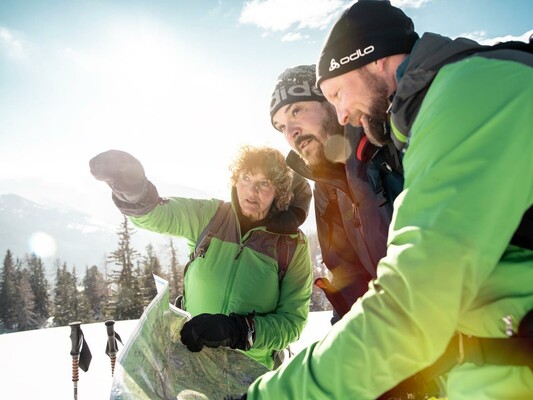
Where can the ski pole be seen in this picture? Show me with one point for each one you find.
(80, 352)
(112, 348)
(75, 353)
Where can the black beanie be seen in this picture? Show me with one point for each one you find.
(365, 32)
(293, 85)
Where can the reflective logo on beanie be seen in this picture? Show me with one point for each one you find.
(294, 93)
(333, 64)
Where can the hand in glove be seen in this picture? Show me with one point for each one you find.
(122, 172)
(289, 221)
(132, 192)
(235, 397)
(215, 330)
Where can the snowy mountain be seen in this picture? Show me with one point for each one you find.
(77, 238)
(63, 234)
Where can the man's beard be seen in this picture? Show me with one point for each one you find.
(330, 152)
(375, 123)
(313, 154)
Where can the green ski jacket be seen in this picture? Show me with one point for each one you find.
(239, 274)
(449, 266)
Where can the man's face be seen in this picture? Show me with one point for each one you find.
(361, 99)
(307, 126)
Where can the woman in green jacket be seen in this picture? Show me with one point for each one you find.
(240, 293)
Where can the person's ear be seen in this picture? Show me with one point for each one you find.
(380, 64)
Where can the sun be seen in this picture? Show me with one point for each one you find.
(43, 245)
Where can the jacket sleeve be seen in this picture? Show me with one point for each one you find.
(282, 327)
(178, 216)
(350, 277)
(466, 190)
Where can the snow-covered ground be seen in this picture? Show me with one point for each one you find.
(37, 364)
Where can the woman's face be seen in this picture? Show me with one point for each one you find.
(255, 194)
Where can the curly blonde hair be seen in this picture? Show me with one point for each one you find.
(271, 163)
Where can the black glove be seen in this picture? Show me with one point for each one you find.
(215, 330)
(132, 192)
(236, 397)
(289, 221)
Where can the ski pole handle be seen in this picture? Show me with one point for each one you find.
(111, 341)
(75, 338)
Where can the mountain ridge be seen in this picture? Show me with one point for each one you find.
(80, 240)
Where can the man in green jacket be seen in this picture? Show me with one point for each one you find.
(458, 268)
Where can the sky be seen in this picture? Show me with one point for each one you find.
(178, 84)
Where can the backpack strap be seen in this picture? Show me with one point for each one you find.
(286, 249)
(523, 236)
(516, 350)
(203, 242)
(286, 246)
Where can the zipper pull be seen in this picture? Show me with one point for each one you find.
(355, 210)
(509, 330)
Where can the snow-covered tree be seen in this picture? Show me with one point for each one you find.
(8, 291)
(27, 318)
(39, 286)
(65, 292)
(95, 291)
(176, 273)
(128, 303)
(150, 266)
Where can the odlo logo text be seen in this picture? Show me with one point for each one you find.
(352, 57)
(301, 90)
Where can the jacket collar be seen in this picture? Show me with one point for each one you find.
(333, 174)
(415, 76)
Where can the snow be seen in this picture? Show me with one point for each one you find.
(37, 364)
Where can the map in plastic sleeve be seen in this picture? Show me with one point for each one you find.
(154, 364)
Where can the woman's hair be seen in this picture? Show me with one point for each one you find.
(271, 163)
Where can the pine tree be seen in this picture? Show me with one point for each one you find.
(74, 297)
(39, 286)
(110, 279)
(8, 292)
(85, 312)
(128, 303)
(151, 266)
(65, 302)
(79, 303)
(176, 273)
(27, 318)
(95, 291)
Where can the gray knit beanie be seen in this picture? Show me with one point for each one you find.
(293, 85)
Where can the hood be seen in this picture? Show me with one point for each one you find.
(430, 53)
(334, 174)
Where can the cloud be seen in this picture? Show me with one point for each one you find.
(281, 15)
(478, 36)
(409, 3)
(481, 37)
(293, 37)
(12, 46)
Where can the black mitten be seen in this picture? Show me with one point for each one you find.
(215, 330)
(289, 221)
(132, 192)
(236, 397)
